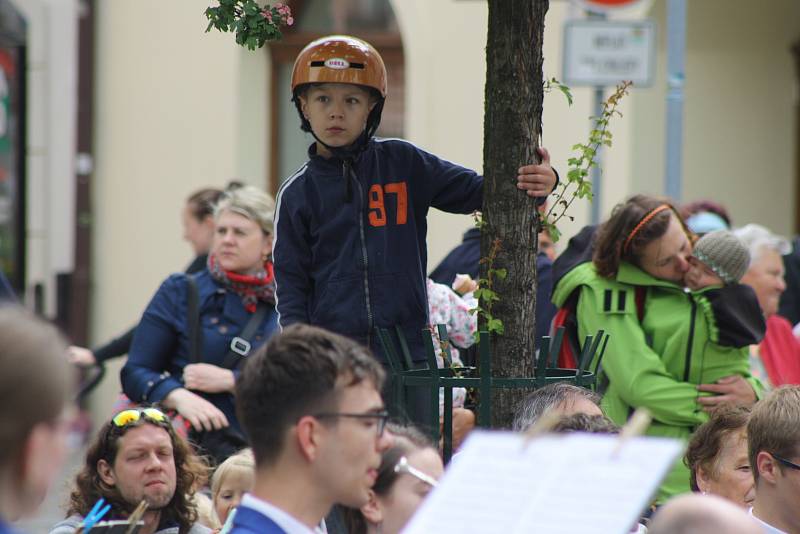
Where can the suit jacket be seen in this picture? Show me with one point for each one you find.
(249, 521)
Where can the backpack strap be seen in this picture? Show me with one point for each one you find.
(193, 320)
(241, 344)
(567, 317)
(640, 295)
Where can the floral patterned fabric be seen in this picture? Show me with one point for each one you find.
(447, 308)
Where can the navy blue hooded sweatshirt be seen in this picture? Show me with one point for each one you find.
(350, 259)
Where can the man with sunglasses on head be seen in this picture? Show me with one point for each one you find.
(773, 439)
(137, 456)
(310, 402)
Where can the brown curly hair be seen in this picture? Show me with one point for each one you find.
(610, 249)
(190, 470)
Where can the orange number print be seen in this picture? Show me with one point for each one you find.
(399, 189)
(377, 214)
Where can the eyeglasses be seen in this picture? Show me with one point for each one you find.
(786, 462)
(126, 417)
(380, 418)
(402, 466)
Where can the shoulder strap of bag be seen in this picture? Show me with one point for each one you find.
(193, 320)
(240, 345)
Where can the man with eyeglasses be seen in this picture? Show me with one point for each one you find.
(310, 402)
(137, 456)
(773, 438)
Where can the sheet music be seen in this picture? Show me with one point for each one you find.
(557, 484)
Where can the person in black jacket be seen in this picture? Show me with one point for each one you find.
(465, 259)
(198, 230)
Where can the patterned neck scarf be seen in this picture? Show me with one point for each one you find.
(251, 288)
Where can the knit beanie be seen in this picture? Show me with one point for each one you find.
(724, 253)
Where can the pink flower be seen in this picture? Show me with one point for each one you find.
(267, 15)
(289, 21)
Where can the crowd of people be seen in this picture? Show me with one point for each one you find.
(254, 396)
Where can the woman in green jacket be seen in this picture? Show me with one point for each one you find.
(663, 351)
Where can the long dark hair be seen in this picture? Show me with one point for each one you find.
(191, 473)
(407, 440)
(629, 230)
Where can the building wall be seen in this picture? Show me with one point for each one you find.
(177, 109)
(741, 95)
(51, 108)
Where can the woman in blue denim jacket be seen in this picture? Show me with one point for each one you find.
(238, 281)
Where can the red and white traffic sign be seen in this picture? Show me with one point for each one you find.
(607, 5)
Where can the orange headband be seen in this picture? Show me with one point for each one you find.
(643, 222)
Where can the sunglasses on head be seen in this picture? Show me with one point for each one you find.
(127, 417)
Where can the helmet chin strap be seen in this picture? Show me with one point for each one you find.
(351, 151)
(348, 153)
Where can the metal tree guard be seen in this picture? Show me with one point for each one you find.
(403, 374)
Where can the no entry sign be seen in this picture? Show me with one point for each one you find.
(607, 5)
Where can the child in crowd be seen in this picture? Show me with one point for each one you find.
(350, 246)
(718, 261)
(447, 307)
(718, 258)
(233, 478)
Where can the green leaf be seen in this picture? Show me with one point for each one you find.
(501, 273)
(496, 326)
(574, 175)
(251, 8)
(567, 93)
(555, 233)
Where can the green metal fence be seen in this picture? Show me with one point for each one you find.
(404, 374)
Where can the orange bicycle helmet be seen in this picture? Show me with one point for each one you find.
(341, 59)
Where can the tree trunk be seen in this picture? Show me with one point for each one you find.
(512, 128)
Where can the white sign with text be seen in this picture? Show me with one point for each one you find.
(600, 53)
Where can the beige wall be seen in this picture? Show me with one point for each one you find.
(741, 97)
(176, 109)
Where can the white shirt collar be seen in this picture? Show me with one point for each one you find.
(283, 519)
(768, 529)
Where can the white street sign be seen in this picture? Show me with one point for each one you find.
(600, 53)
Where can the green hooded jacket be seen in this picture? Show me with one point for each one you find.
(657, 362)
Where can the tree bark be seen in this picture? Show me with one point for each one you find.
(512, 129)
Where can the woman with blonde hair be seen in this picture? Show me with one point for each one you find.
(198, 328)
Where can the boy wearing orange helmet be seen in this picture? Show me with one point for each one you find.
(350, 249)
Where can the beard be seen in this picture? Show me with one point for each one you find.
(158, 500)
